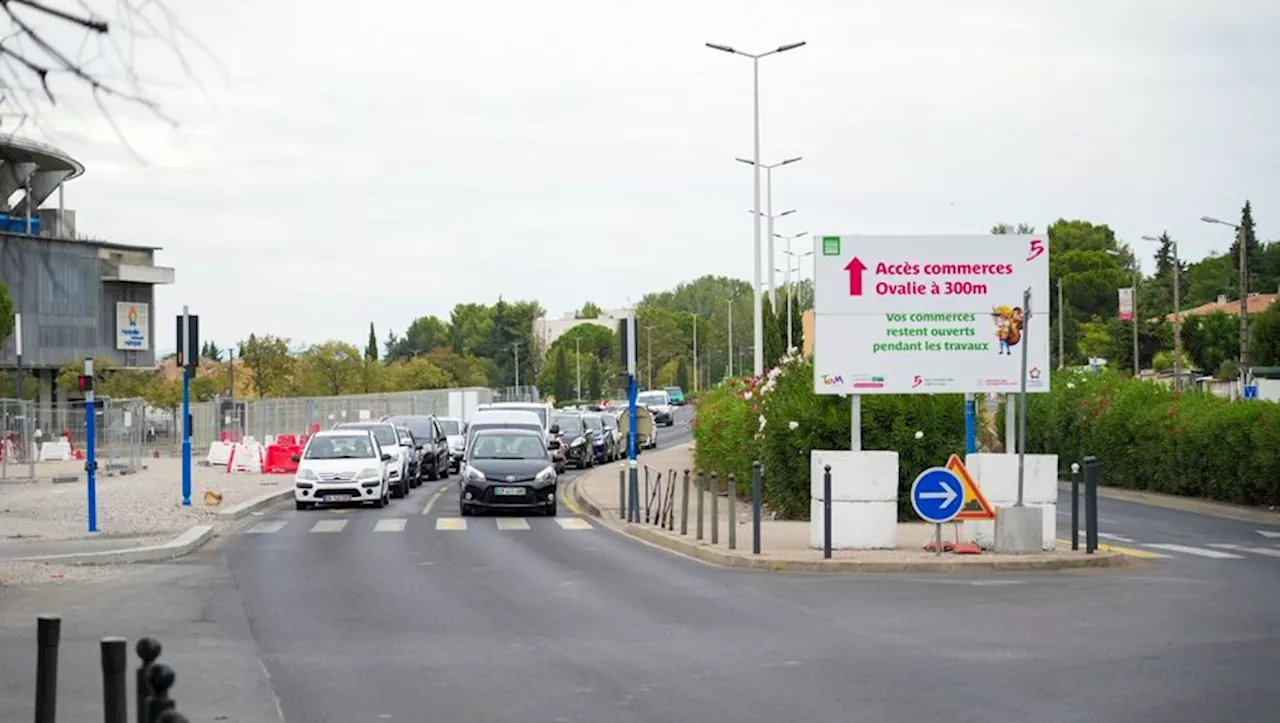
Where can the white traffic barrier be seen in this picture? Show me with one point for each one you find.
(219, 454)
(247, 456)
(864, 499)
(57, 451)
(997, 476)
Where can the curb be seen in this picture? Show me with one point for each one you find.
(184, 544)
(252, 505)
(705, 553)
(1192, 505)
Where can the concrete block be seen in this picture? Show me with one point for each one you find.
(997, 477)
(864, 499)
(1019, 530)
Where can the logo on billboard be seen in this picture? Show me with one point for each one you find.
(866, 381)
(1034, 373)
(830, 245)
(132, 325)
(832, 381)
(923, 381)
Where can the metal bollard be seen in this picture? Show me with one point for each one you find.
(48, 636)
(733, 511)
(148, 649)
(702, 482)
(161, 678)
(646, 494)
(115, 686)
(1091, 504)
(715, 508)
(671, 501)
(826, 511)
(757, 483)
(171, 716)
(684, 504)
(622, 491)
(1075, 506)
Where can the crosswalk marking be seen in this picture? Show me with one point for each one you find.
(450, 523)
(1127, 551)
(512, 523)
(391, 525)
(1271, 534)
(573, 523)
(1266, 551)
(1117, 538)
(328, 526)
(401, 524)
(1198, 551)
(266, 528)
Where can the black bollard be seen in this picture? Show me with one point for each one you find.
(733, 511)
(1075, 506)
(115, 685)
(715, 508)
(646, 494)
(1091, 504)
(757, 483)
(826, 512)
(622, 492)
(148, 649)
(171, 716)
(702, 482)
(161, 679)
(684, 504)
(48, 636)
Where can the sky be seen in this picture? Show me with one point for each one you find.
(335, 164)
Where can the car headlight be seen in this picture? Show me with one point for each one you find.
(545, 476)
(474, 474)
(578, 442)
(306, 475)
(369, 474)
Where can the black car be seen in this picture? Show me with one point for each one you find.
(508, 469)
(575, 439)
(426, 431)
(602, 442)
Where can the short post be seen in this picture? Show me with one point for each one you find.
(702, 483)
(684, 505)
(115, 687)
(757, 483)
(826, 512)
(161, 679)
(148, 650)
(48, 636)
(671, 499)
(1091, 504)
(646, 494)
(715, 508)
(937, 540)
(733, 511)
(622, 491)
(1075, 506)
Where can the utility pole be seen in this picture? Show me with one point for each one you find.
(1177, 320)
(695, 352)
(1244, 309)
(1137, 367)
(731, 335)
(515, 348)
(1062, 338)
(577, 359)
(648, 347)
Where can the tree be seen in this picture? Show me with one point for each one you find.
(420, 372)
(424, 335)
(210, 351)
(1264, 337)
(6, 310)
(594, 386)
(330, 369)
(1020, 229)
(1211, 339)
(1253, 251)
(1095, 340)
(371, 348)
(589, 311)
(774, 338)
(682, 374)
(269, 363)
(562, 385)
(465, 371)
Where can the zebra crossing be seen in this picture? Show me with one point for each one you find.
(1169, 550)
(442, 524)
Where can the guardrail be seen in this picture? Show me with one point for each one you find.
(152, 680)
(658, 494)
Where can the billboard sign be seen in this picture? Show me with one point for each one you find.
(929, 314)
(1126, 304)
(133, 324)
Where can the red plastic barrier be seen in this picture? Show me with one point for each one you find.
(287, 440)
(280, 459)
(302, 441)
(315, 427)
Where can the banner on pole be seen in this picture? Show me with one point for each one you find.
(1126, 304)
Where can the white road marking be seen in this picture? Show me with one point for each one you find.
(1198, 551)
(1267, 551)
(1272, 534)
(328, 526)
(512, 523)
(432, 502)
(573, 523)
(391, 524)
(266, 528)
(450, 523)
(1117, 538)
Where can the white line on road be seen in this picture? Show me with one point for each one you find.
(328, 526)
(391, 524)
(1198, 551)
(1272, 534)
(266, 528)
(1266, 551)
(1117, 538)
(450, 523)
(512, 523)
(573, 523)
(432, 502)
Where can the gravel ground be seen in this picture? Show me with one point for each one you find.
(29, 574)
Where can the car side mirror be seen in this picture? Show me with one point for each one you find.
(296, 458)
(386, 457)
(417, 446)
(555, 429)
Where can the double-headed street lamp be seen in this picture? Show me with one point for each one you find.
(1244, 298)
(758, 352)
(1177, 311)
(768, 205)
(791, 292)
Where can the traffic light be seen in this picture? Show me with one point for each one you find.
(86, 383)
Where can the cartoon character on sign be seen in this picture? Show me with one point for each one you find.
(1008, 327)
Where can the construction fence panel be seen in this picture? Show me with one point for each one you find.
(17, 453)
(120, 433)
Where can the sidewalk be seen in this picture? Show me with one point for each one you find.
(785, 543)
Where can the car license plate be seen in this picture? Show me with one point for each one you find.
(338, 498)
(509, 491)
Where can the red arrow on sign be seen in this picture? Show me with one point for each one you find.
(855, 269)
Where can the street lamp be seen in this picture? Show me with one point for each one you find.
(649, 351)
(1244, 298)
(758, 322)
(1177, 311)
(791, 292)
(695, 349)
(577, 360)
(768, 194)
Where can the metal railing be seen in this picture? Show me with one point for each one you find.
(657, 493)
(121, 433)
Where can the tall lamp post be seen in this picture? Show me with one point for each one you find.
(791, 292)
(768, 212)
(1177, 312)
(1137, 277)
(1244, 298)
(648, 347)
(758, 322)
(695, 349)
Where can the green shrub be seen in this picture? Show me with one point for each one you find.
(724, 430)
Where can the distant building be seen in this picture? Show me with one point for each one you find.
(78, 297)
(546, 330)
(1257, 304)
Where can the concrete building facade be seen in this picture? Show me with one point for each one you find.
(546, 330)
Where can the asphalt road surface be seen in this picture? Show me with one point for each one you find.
(412, 613)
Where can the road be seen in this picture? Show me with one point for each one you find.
(509, 619)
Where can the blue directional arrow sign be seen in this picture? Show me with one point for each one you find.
(937, 495)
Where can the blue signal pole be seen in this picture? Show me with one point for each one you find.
(633, 508)
(970, 424)
(91, 447)
(186, 408)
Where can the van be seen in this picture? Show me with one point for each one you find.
(544, 411)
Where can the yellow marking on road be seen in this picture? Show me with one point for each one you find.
(391, 524)
(432, 502)
(573, 523)
(512, 523)
(568, 502)
(450, 523)
(1127, 551)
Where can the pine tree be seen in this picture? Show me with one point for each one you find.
(561, 384)
(797, 324)
(593, 379)
(682, 375)
(371, 350)
(774, 343)
(1253, 250)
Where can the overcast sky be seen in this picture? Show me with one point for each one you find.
(355, 162)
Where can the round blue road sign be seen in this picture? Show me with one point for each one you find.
(937, 495)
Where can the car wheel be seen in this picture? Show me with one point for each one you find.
(300, 505)
(381, 501)
(551, 511)
(433, 474)
(466, 511)
(445, 470)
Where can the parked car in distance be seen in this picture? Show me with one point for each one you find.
(602, 443)
(660, 404)
(341, 465)
(389, 440)
(575, 438)
(412, 449)
(508, 469)
(455, 429)
(428, 433)
(610, 419)
(676, 395)
(503, 419)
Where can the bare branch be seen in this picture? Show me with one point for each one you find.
(89, 23)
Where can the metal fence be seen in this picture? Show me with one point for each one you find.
(516, 394)
(120, 433)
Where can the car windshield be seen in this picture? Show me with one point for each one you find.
(384, 433)
(419, 426)
(481, 426)
(406, 439)
(652, 399)
(508, 446)
(569, 424)
(673, 390)
(450, 427)
(347, 446)
(538, 410)
(594, 423)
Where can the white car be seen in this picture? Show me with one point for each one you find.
(342, 465)
(388, 438)
(660, 404)
(455, 429)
